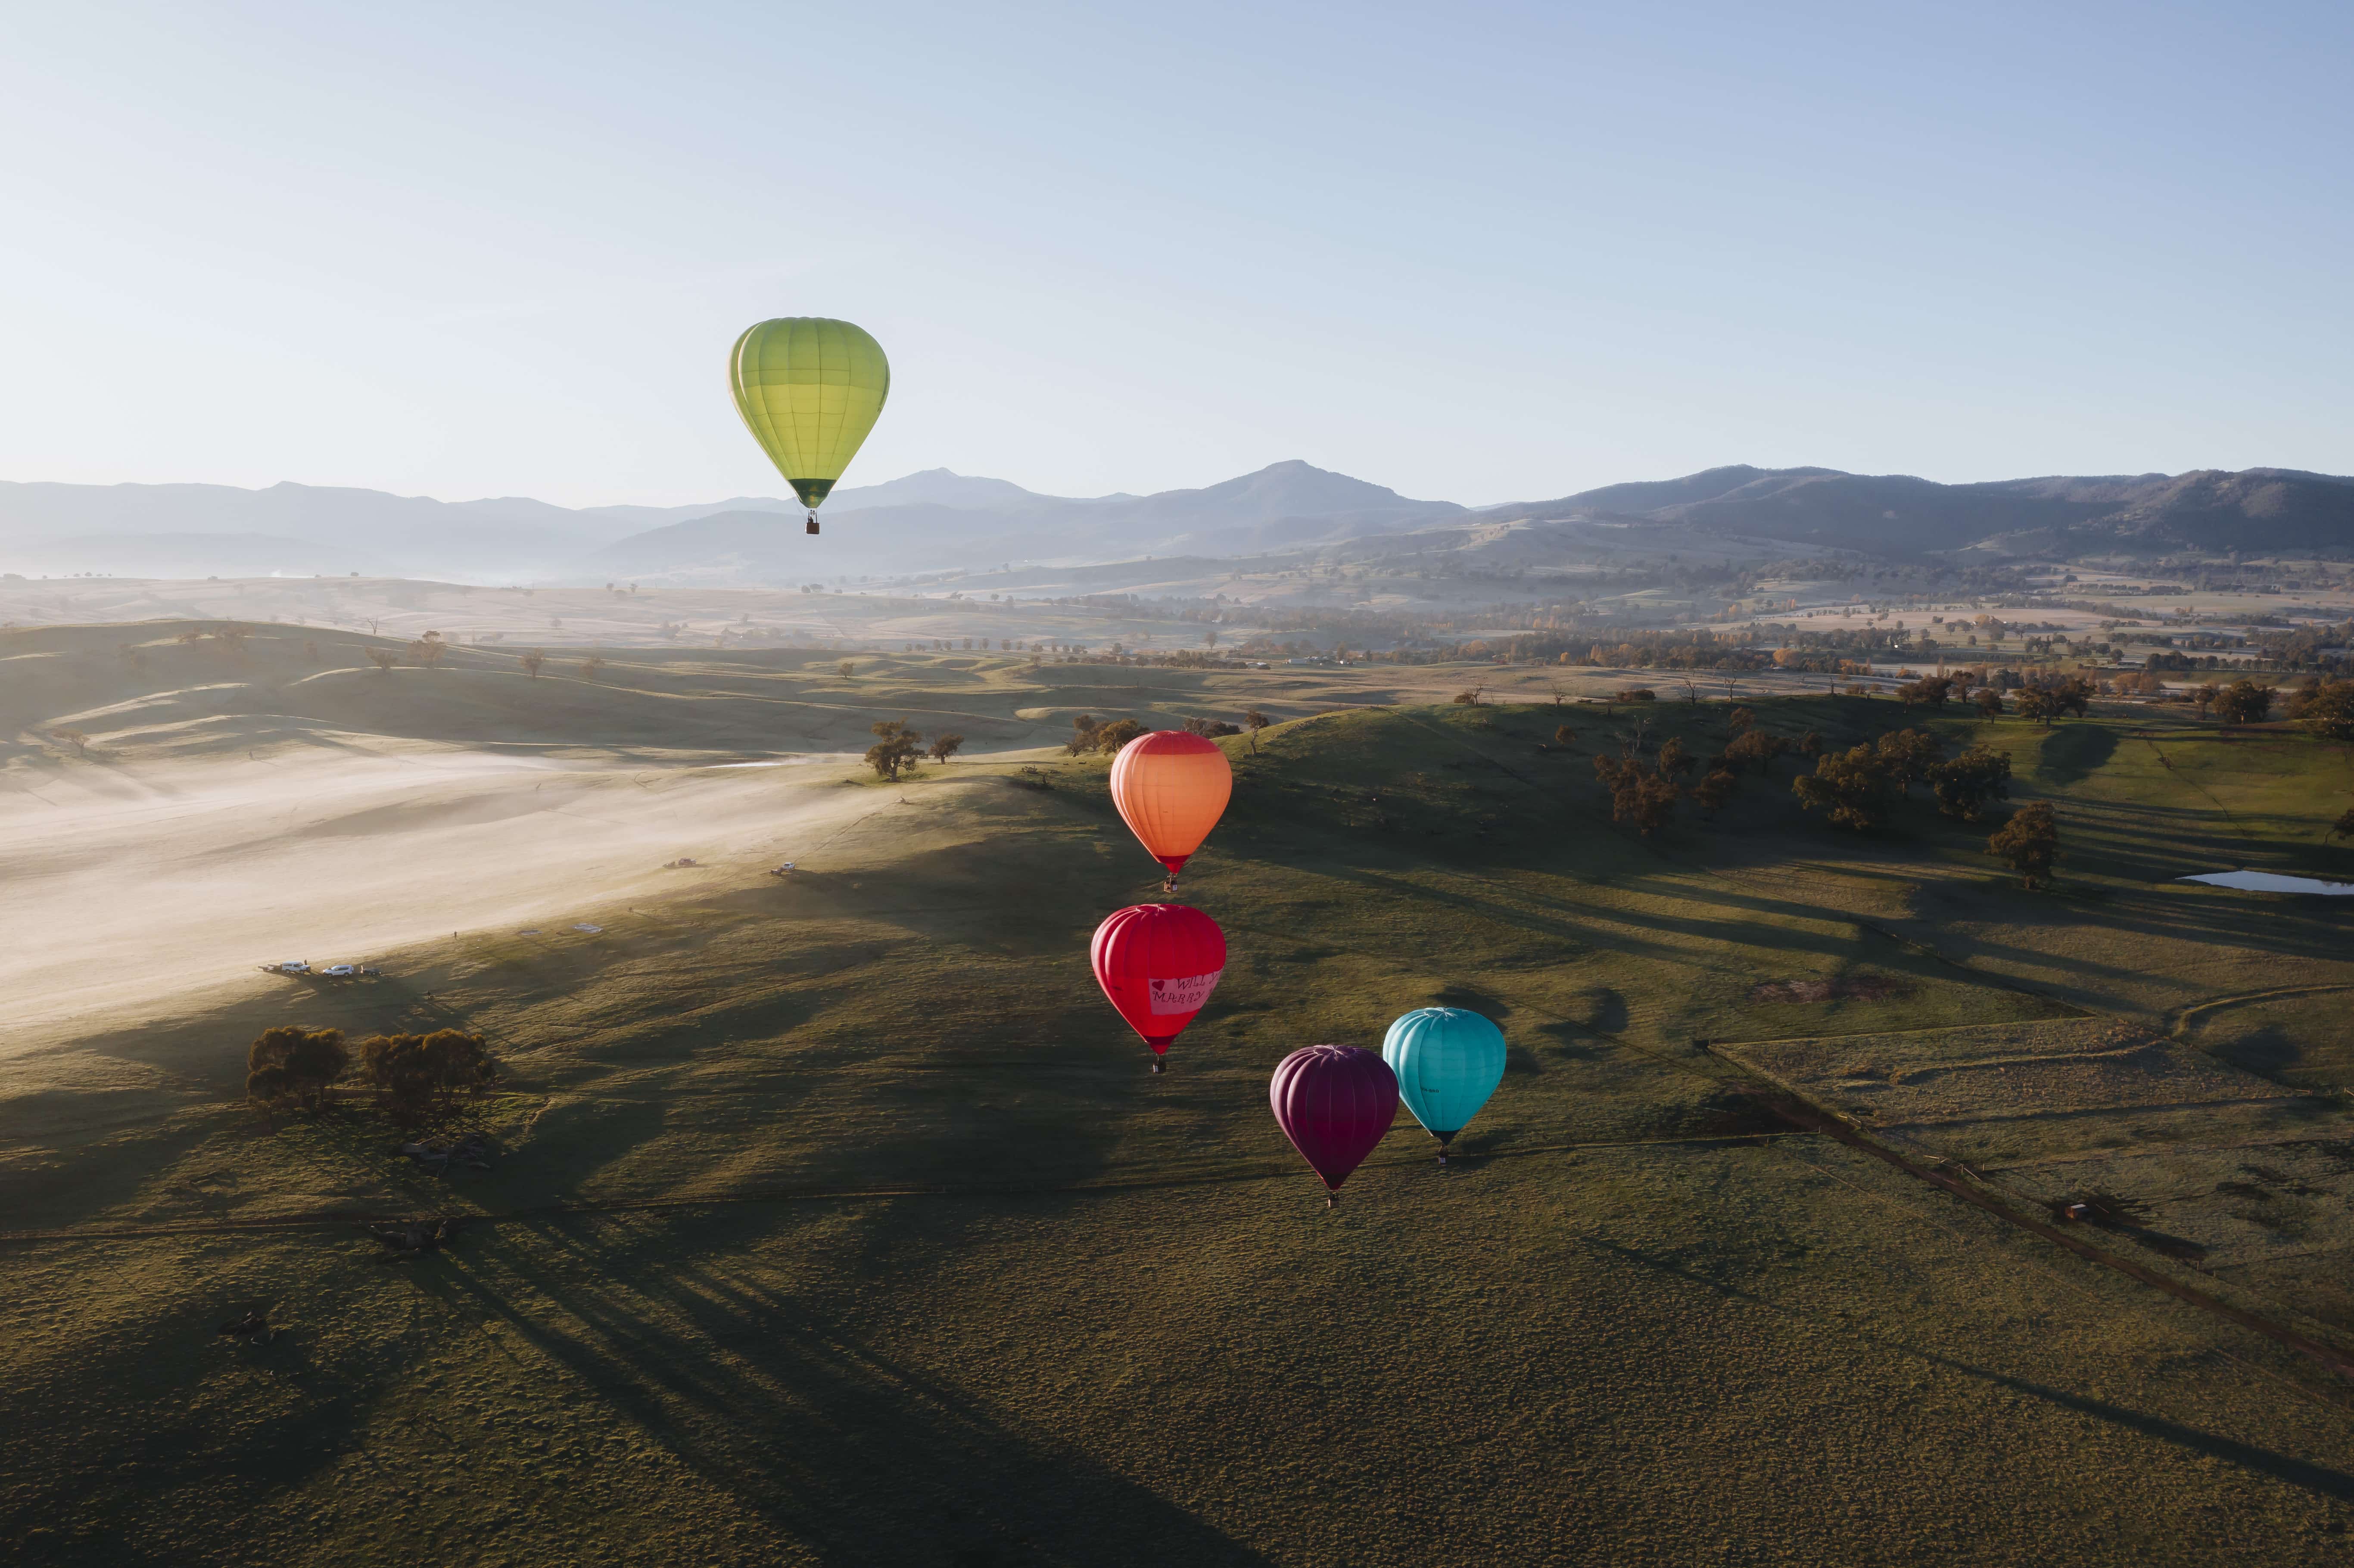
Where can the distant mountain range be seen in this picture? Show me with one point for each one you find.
(937, 519)
(942, 519)
(2260, 511)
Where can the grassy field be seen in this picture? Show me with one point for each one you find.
(835, 1221)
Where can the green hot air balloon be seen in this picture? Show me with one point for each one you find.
(809, 388)
(1447, 1063)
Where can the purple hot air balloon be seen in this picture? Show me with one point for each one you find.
(1333, 1102)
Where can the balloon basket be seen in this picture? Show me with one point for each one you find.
(1331, 1199)
(813, 521)
(1156, 1064)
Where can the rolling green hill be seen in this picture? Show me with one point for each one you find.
(835, 1222)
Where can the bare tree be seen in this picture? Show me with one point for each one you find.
(76, 739)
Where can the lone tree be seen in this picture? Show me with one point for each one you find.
(1965, 784)
(848, 668)
(1674, 758)
(78, 739)
(532, 662)
(294, 1064)
(592, 664)
(894, 751)
(1255, 721)
(2205, 695)
(1083, 735)
(1852, 785)
(2030, 841)
(1563, 736)
(427, 650)
(2243, 701)
(1715, 789)
(1755, 746)
(414, 1075)
(944, 746)
(2035, 703)
(2073, 694)
(1989, 701)
(383, 658)
(1741, 721)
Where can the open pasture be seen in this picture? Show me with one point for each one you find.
(835, 1221)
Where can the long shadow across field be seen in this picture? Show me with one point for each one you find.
(792, 1411)
(2319, 1479)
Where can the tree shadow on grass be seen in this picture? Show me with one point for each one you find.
(858, 1456)
(2319, 1479)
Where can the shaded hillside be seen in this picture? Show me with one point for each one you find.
(2258, 512)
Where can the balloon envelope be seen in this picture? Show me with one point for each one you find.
(1171, 788)
(1447, 1063)
(809, 388)
(1333, 1102)
(1159, 963)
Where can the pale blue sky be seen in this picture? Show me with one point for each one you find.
(1472, 251)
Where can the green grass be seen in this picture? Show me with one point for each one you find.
(840, 1224)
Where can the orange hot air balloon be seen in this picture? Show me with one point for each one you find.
(1171, 788)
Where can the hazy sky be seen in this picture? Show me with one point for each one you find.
(1472, 251)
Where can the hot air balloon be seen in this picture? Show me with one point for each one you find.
(1171, 788)
(809, 388)
(1159, 963)
(1333, 1102)
(1447, 1063)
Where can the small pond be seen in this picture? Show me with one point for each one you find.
(2271, 882)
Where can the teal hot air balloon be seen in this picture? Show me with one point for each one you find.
(1447, 1063)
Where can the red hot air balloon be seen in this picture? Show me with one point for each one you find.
(1159, 963)
(1333, 1102)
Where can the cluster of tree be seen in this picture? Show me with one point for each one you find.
(1088, 735)
(2241, 701)
(2327, 710)
(2045, 700)
(293, 1065)
(1643, 794)
(2311, 646)
(897, 746)
(1657, 650)
(1856, 787)
(1210, 728)
(413, 1074)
